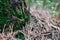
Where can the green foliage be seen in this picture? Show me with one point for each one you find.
(6, 10)
(20, 36)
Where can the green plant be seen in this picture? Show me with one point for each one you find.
(9, 15)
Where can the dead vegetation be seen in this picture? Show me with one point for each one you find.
(42, 27)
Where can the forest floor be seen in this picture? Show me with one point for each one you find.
(42, 27)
